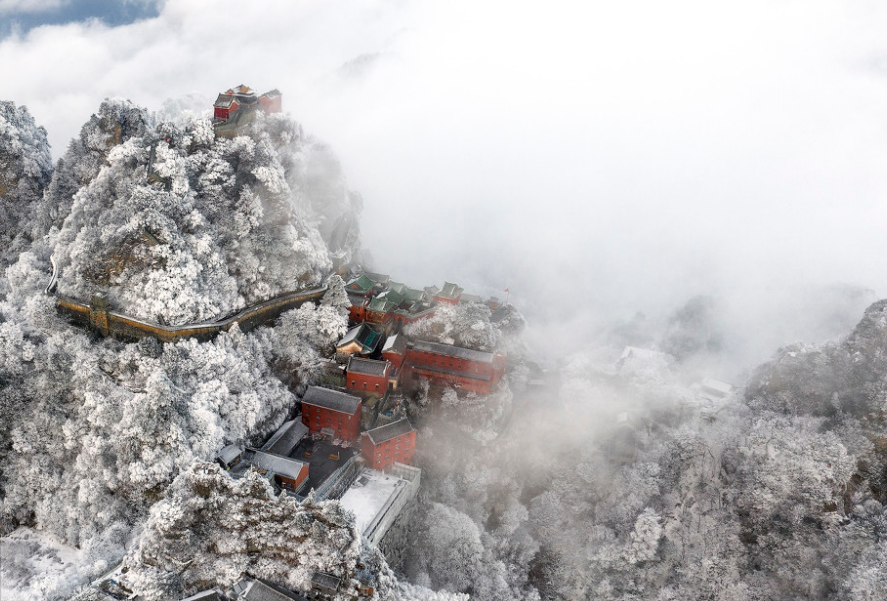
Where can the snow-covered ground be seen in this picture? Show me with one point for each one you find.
(368, 495)
(36, 567)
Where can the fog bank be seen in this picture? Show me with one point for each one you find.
(596, 160)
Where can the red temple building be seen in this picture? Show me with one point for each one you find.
(464, 368)
(379, 310)
(271, 102)
(336, 412)
(367, 375)
(235, 109)
(385, 445)
(357, 311)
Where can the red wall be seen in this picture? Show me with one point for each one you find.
(317, 418)
(449, 301)
(357, 313)
(293, 484)
(376, 317)
(383, 455)
(366, 383)
(494, 370)
(270, 106)
(222, 113)
(395, 359)
(479, 386)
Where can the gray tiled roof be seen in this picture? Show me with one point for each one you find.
(453, 351)
(389, 431)
(224, 100)
(450, 290)
(326, 580)
(351, 335)
(286, 438)
(369, 367)
(395, 344)
(259, 591)
(362, 283)
(379, 278)
(229, 453)
(357, 301)
(331, 399)
(380, 304)
(210, 595)
(413, 294)
(282, 466)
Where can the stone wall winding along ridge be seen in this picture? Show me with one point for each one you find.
(98, 316)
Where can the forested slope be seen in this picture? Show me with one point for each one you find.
(629, 484)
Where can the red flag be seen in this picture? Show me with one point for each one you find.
(507, 290)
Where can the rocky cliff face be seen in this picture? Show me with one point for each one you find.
(846, 377)
(175, 225)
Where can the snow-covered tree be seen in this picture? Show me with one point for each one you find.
(212, 529)
(25, 171)
(465, 325)
(175, 225)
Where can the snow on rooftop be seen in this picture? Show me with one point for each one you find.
(712, 389)
(369, 494)
(716, 386)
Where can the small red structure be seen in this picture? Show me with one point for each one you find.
(324, 408)
(225, 105)
(271, 102)
(283, 471)
(367, 375)
(385, 445)
(464, 368)
(357, 311)
(379, 310)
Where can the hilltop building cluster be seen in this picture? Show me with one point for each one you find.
(380, 358)
(236, 108)
(325, 448)
(326, 451)
(351, 438)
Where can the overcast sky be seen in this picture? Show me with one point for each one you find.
(597, 158)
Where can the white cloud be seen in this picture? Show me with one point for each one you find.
(627, 154)
(30, 6)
